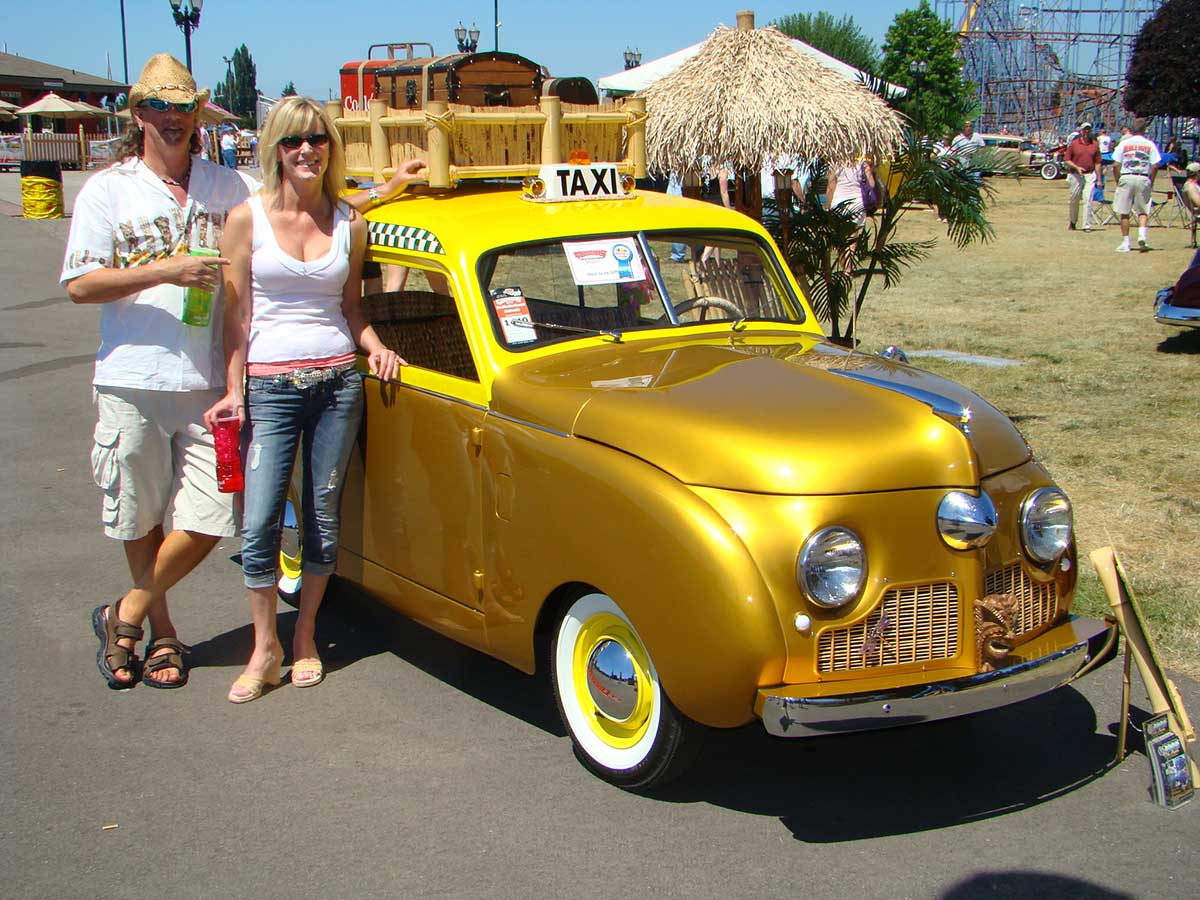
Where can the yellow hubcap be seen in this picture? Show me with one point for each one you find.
(596, 631)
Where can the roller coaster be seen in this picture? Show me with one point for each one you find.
(1042, 66)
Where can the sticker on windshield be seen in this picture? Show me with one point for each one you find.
(608, 261)
(513, 313)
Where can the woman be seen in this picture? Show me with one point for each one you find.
(845, 186)
(292, 320)
(1174, 157)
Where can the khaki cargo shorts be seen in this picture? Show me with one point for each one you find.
(152, 454)
(1133, 196)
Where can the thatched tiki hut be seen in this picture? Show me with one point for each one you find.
(749, 97)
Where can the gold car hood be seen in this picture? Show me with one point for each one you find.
(766, 414)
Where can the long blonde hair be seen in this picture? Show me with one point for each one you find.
(299, 115)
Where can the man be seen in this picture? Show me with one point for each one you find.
(229, 148)
(1135, 162)
(132, 228)
(1191, 188)
(1082, 159)
(967, 142)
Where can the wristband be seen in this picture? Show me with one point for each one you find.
(374, 195)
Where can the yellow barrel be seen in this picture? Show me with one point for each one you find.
(41, 189)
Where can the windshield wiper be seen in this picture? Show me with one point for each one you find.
(615, 335)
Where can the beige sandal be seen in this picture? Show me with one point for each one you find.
(310, 666)
(255, 685)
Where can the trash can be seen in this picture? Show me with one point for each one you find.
(41, 189)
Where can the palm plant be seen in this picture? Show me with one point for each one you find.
(838, 262)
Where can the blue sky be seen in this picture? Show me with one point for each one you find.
(307, 41)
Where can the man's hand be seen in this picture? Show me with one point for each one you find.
(192, 271)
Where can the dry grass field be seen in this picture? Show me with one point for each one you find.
(1109, 400)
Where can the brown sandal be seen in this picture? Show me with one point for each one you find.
(111, 656)
(172, 660)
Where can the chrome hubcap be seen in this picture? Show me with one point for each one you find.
(612, 681)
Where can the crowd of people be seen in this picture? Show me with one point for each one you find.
(284, 264)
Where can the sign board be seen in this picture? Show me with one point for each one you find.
(591, 182)
(604, 261)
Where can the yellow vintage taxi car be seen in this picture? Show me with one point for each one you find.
(622, 439)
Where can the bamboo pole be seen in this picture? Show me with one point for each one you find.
(637, 135)
(552, 130)
(380, 155)
(438, 141)
(82, 150)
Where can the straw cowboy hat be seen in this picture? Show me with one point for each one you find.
(166, 78)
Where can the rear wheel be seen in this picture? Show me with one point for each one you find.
(622, 725)
(1050, 171)
(290, 556)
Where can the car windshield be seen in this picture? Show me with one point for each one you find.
(570, 287)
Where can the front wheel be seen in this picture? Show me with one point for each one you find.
(288, 586)
(1050, 171)
(622, 725)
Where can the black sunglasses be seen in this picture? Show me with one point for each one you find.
(293, 141)
(158, 105)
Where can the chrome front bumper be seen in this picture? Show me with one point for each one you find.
(1182, 316)
(1094, 643)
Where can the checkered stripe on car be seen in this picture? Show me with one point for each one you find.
(403, 237)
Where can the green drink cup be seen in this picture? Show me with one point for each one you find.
(197, 302)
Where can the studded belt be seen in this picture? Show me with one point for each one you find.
(306, 378)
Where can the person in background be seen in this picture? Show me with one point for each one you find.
(1105, 143)
(967, 141)
(1191, 188)
(1174, 157)
(229, 148)
(132, 228)
(292, 321)
(1135, 162)
(1082, 159)
(846, 186)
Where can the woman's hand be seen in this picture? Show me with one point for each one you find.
(406, 173)
(192, 271)
(385, 363)
(233, 403)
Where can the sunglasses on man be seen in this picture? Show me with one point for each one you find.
(294, 141)
(158, 105)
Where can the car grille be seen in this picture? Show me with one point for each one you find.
(922, 624)
(1038, 603)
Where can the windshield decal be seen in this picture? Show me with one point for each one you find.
(513, 313)
(403, 237)
(607, 261)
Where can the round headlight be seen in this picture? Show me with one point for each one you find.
(1046, 525)
(832, 567)
(965, 521)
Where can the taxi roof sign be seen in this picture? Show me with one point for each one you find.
(564, 182)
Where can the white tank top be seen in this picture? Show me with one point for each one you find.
(297, 306)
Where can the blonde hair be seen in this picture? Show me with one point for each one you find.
(299, 115)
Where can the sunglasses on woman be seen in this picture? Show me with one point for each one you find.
(293, 141)
(158, 105)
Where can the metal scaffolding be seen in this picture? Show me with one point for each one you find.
(1042, 66)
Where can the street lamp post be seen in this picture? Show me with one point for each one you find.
(496, 23)
(917, 69)
(188, 20)
(228, 82)
(633, 58)
(468, 41)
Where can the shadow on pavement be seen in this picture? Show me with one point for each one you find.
(1031, 885)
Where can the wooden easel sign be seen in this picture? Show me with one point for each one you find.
(1170, 737)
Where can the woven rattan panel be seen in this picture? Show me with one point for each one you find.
(1038, 603)
(921, 624)
(424, 328)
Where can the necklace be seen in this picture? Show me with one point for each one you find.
(183, 181)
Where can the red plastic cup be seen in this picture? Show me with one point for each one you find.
(227, 439)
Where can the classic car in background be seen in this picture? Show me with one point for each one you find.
(1023, 156)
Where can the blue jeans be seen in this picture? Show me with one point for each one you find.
(229, 157)
(321, 419)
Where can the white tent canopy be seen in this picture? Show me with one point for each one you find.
(643, 76)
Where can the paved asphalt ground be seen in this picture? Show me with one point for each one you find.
(421, 769)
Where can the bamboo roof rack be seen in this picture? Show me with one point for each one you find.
(466, 142)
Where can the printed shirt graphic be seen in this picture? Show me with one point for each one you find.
(125, 216)
(1136, 154)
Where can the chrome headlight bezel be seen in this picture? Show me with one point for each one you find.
(966, 521)
(1034, 510)
(822, 577)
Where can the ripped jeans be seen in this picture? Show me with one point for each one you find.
(321, 419)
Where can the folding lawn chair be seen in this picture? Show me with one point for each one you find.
(1102, 210)
(1188, 216)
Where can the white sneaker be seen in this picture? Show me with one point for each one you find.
(1087, 228)
(1123, 248)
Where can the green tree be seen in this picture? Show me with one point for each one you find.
(921, 52)
(239, 93)
(289, 90)
(840, 38)
(1162, 77)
